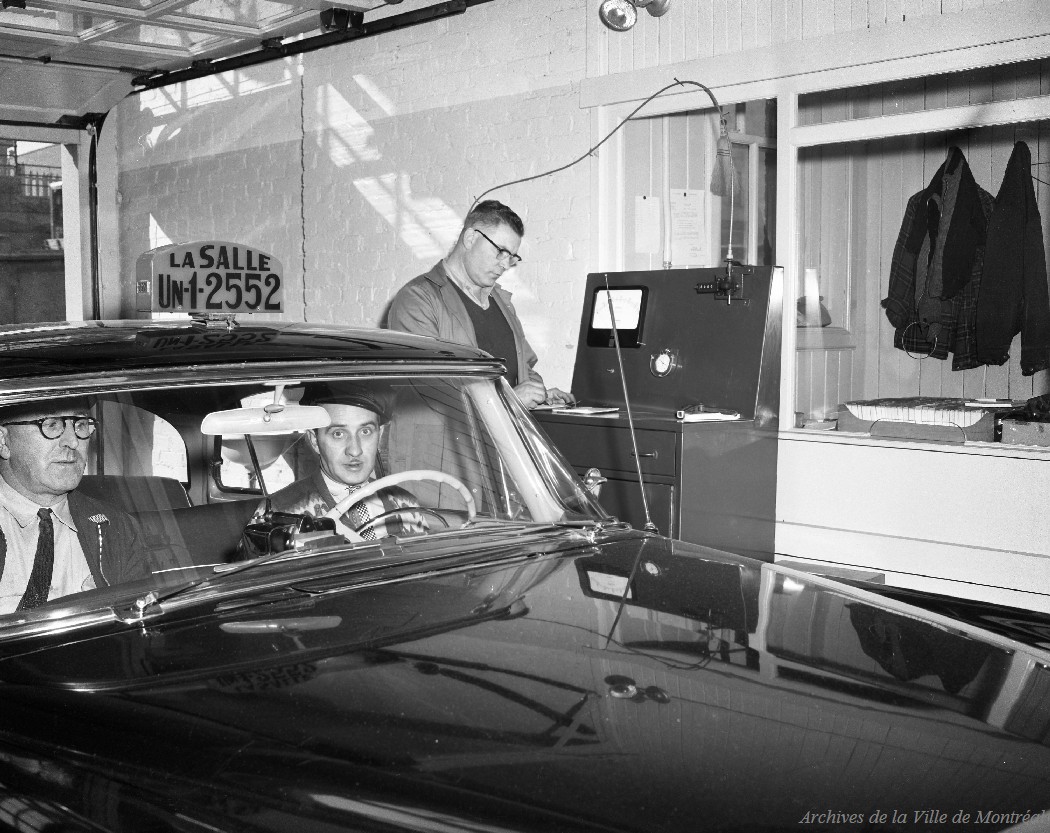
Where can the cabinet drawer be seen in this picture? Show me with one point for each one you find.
(608, 447)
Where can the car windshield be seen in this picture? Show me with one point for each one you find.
(184, 480)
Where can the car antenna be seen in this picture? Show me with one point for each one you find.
(649, 525)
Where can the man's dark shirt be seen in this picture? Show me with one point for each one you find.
(493, 333)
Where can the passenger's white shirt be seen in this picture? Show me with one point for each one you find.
(20, 526)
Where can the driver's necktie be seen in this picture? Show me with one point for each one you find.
(43, 564)
(360, 515)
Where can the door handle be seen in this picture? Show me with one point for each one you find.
(651, 454)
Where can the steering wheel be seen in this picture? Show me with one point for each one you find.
(400, 511)
(395, 479)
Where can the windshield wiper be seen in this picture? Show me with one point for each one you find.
(155, 598)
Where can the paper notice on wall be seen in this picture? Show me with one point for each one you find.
(687, 228)
(646, 225)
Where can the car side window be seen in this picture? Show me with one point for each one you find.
(277, 457)
(135, 441)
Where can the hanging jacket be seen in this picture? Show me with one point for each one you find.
(1013, 297)
(935, 272)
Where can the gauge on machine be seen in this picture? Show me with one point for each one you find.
(663, 363)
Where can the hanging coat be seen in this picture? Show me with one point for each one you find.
(1013, 296)
(936, 269)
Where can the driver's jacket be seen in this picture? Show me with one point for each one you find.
(311, 496)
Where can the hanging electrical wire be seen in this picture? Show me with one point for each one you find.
(726, 159)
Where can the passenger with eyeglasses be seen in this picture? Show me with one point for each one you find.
(459, 300)
(54, 540)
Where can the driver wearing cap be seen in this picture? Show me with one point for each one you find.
(349, 451)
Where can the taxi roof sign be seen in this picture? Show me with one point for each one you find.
(209, 277)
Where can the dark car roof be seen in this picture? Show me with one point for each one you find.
(112, 346)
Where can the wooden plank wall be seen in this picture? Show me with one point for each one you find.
(705, 28)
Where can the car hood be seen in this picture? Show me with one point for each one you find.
(629, 683)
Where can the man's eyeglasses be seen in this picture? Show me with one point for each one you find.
(52, 427)
(502, 254)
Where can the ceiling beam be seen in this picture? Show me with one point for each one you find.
(61, 43)
(151, 16)
(58, 65)
(35, 34)
(366, 29)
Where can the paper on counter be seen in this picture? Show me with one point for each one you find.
(710, 416)
(583, 410)
(993, 404)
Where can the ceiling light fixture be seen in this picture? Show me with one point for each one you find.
(621, 15)
(618, 15)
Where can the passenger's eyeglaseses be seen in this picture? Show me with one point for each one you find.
(52, 427)
(501, 253)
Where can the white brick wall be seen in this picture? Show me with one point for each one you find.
(216, 159)
(401, 133)
(415, 125)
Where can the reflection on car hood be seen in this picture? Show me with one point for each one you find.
(630, 684)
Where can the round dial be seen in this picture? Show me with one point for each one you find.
(663, 363)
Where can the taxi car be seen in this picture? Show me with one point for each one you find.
(524, 662)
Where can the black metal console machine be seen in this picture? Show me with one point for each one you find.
(698, 356)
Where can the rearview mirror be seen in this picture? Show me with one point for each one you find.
(271, 419)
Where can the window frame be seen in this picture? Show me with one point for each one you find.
(75, 146)
(918, 123)
(793, 136)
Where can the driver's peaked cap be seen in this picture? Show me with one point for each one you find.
(374, 397)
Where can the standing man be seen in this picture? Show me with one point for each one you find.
(55, 541)
(458, 300)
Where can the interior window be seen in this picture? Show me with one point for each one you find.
(853, 200)
(685, 205)
(32, 255)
